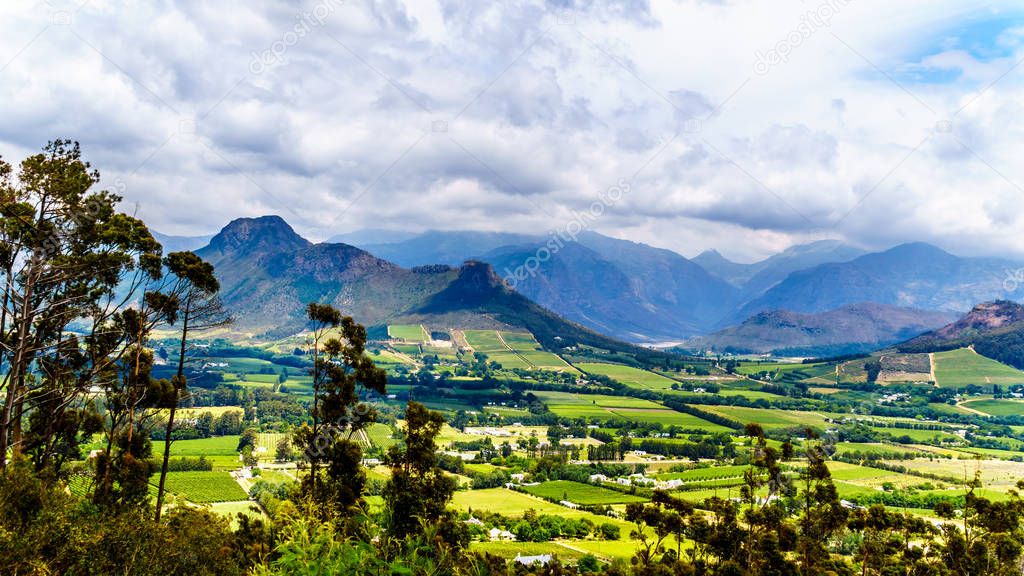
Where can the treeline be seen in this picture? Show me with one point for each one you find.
(204, 425)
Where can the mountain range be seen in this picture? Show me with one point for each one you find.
(641, 293)
(755, 278)
(826, 291)
(916, 275)
(268, 273)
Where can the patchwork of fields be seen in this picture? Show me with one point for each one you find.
(515, 350)
(933, 445)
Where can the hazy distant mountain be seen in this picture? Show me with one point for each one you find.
(629, 290)
(624, 289)
(757, 277)
(913, 275)
(993, 329)
(437, 247)
(268, 273)
(854, 328)
(734, 273)
(181, 243)
(370, 236)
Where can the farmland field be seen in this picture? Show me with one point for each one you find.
(380, 435)
(503, 501)
(769, 418)
(231, 509)
(570, 399)
(513, 549)
(221, 450)
(995, 474)
(408, 332)
(873, 448)
(216, 411)
(602, 408)
(669, 418)
(485, 341)
(266, 444)
(699, 474)
(515, 350)
(204, 487)
(582, 494)
(963, 367)
(917, 435)
(628, 375)
(1003, 407)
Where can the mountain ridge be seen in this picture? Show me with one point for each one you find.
(268, 273)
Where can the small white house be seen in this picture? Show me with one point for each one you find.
(499, 535)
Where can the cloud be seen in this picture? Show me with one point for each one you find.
(886, 123)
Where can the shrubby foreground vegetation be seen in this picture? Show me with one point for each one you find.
(85, 287)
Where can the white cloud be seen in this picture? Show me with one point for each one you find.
(880, 124)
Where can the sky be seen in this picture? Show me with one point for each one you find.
(737, 125)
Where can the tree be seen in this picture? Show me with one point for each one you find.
(822, 515)
(198, 308)
(284, 452)
(250, 438)
(341, 371)
(123, 468)
(873, 369)
(418, 491)
(64, 249)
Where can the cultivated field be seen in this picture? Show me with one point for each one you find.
(582, 494)
(963, 367)
(409, 332)
(1001, 407)
(600, 408)
(222, 451)
(628, 375)
(204, 487)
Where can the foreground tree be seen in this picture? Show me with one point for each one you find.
(64, 251)
(124, 466)
(197, 308)
(341, 372)
(822, 515)
(418, 492)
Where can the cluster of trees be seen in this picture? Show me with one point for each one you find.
(534, 527)
(204, 425)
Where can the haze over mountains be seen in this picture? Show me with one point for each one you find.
(758, 276)
(825, 294)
